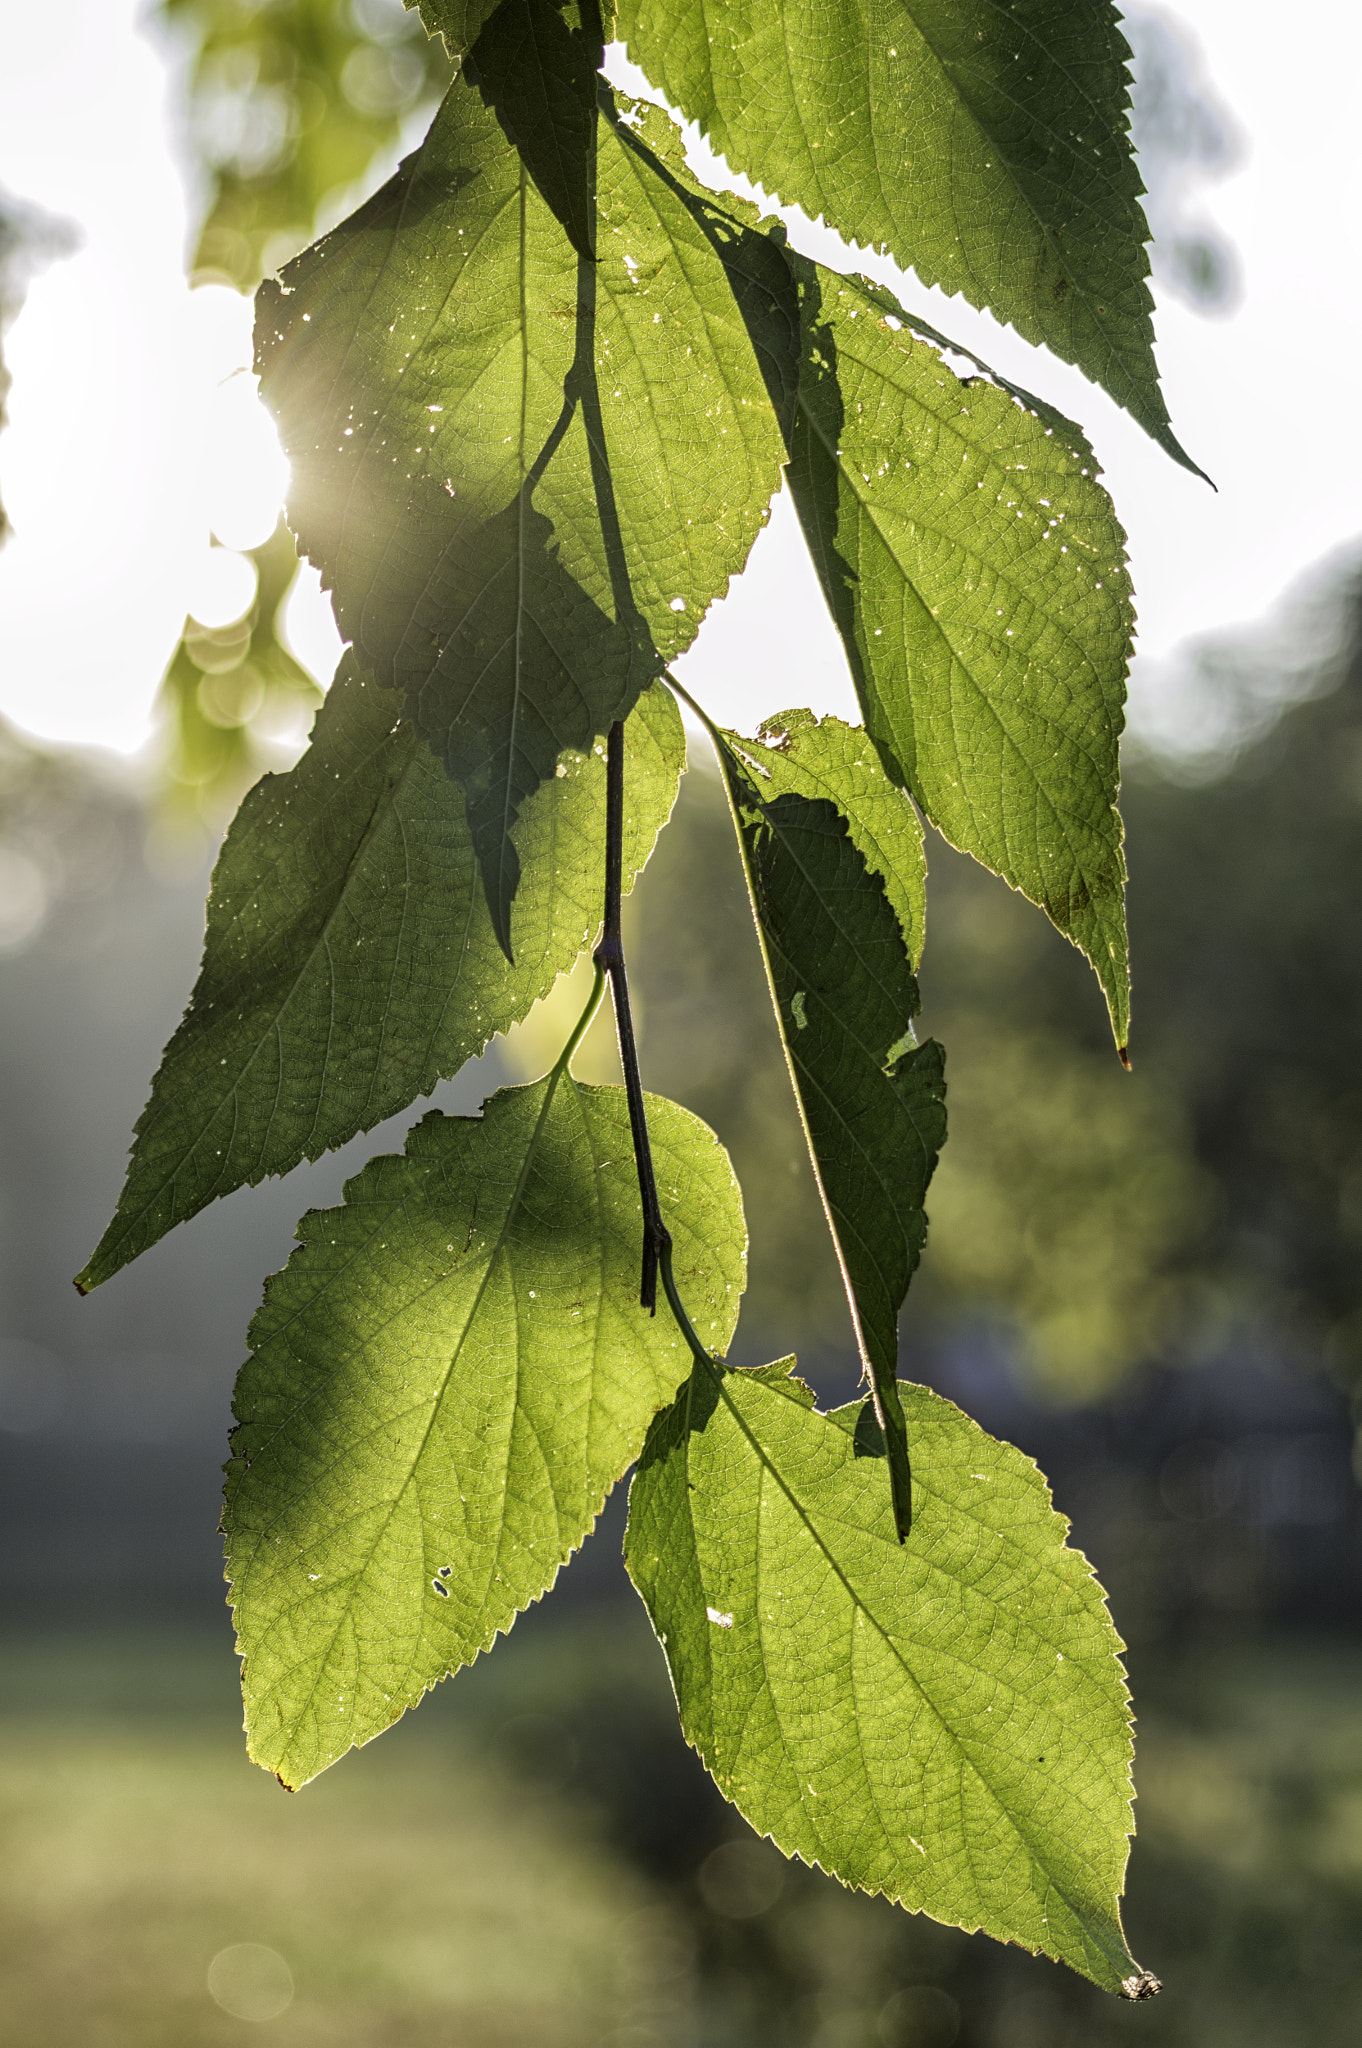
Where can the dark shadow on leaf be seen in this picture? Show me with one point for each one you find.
(524, 665)
(815, 483)
(695, 1403)
(874, 1110)
(504, 672)
(869, 1437)
(538, 76)
(759, 270)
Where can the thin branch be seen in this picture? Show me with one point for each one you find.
(609, 958)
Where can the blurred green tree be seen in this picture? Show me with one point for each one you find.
(290, 102)
(1244, 915)
(29, 238)
(292, 106)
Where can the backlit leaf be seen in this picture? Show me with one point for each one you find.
(829, 758)
(537, 72)
(872, 1101)
(460, 22)
(523, 476)
(985, 147)
(445, 1382)
(976, 571)
(350, 962)
(944, 1721)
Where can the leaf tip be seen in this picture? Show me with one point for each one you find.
(1170, 444)
(1123, 1055)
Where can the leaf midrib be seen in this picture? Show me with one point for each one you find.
(437, 1398)
(985, 702)
(1143, 399)
(169, 1176)
(804, 1517)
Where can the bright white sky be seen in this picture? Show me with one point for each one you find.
(126, 445)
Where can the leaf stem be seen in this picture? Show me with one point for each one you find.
(579, 1029)
(881, 1383)
(683, 1321)
(708, 723)
(609, 960)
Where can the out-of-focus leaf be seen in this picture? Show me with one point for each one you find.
(523, 476)
(1069, 1205)
(976, 571)
(444, 1385)
(944, 1721)
(985, 147)
(873, 1102)
(228, 688)
(289, 105)
(349, 962)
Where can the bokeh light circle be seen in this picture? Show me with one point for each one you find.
(250, 1981)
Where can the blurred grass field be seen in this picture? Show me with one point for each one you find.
(425, 1894)
(529, 1862)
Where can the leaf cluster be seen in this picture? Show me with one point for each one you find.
(537, 395)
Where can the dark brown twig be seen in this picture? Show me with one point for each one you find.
(609, 956)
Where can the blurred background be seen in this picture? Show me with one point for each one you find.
(1152, 1283)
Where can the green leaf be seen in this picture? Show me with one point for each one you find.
(763, 287)
(350, 962)
(976, 571)
(523, 476)
(945, 1722)
(975, 568)
(873, 1102)
(460, 22)
(829, 758)
(537, 72)
(985, 147)
(445, 1382)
